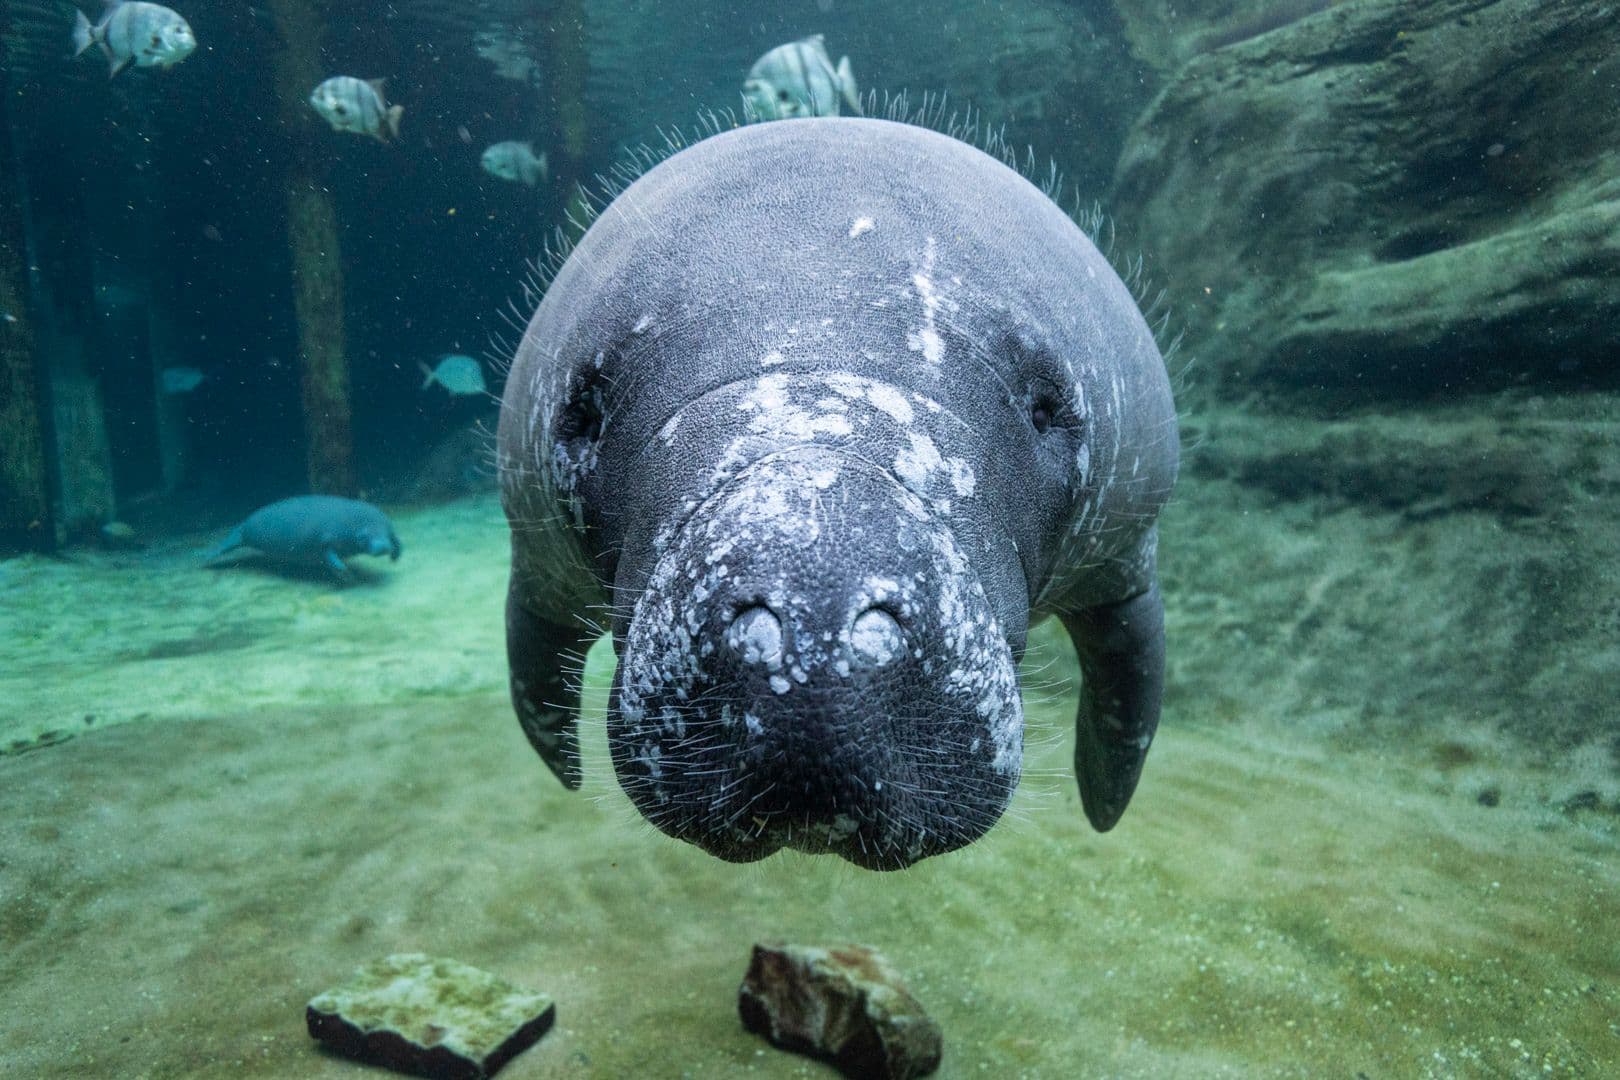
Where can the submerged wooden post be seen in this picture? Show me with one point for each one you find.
(25, 503)
(564, 67)
(317, 270)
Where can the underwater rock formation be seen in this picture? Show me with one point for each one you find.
(1356, 206)
(430, 1017)
(1511, 467)
(845, 1004)
(455, 467)
(1165, 34)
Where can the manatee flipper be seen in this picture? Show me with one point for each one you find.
(231, 542)
(335, 561)
(1121, 649)
(545, 660)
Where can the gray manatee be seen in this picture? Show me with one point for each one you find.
(314, 529)
(818, 417)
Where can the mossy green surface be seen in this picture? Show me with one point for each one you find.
(1306, 884)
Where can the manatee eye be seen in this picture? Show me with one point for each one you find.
(157, 39)
(1041, 413)
(781, 95)
(340, 110)
(580, 422)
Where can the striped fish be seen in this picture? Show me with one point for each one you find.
(357, 105)
(799, 79)
(134, 32)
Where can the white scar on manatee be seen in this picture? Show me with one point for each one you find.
(927, 340)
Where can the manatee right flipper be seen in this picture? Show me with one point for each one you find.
(1121, 649)
(546, 660)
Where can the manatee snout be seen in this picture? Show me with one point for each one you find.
(813, 664)
(379, 543)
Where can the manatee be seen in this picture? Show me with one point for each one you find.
(311, 529)
(817, 418)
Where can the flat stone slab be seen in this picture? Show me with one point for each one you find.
(430, 1017)
(844, 1004)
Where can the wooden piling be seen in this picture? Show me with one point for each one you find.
(559, 34)
(25, 503)
(317, 270)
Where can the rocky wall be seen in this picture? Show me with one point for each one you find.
(1390, 199)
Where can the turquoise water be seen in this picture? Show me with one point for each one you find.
(1376, 835)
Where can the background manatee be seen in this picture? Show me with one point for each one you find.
(821, 415)
(314, 529)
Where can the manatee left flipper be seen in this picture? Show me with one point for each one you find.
(1121, 649)
(224, 547)
(545, 660)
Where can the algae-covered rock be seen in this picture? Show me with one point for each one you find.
(430, 1017)
(1391, 198)
(845, 1004)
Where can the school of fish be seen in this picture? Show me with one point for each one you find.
(792, 80)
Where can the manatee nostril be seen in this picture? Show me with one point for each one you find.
(875, 638)
(756, 636)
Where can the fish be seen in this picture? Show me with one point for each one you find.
(120, 534)
(509, 54)
(456, 373)
(357, 106)
(515, 161)
(135, 32)
(179, 380)
(799, 79)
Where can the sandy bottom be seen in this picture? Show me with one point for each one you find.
(281, 781)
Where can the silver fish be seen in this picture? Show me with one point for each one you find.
(456, 373)
(515, 161)
(510, 55)
(135, 32)
(799, 79)
(357, 106)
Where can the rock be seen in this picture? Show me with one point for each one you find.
(430, 1017)
(844, 1004)
(1390, 200)
(1168, 33)
(459, 465)
(1499, 459)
